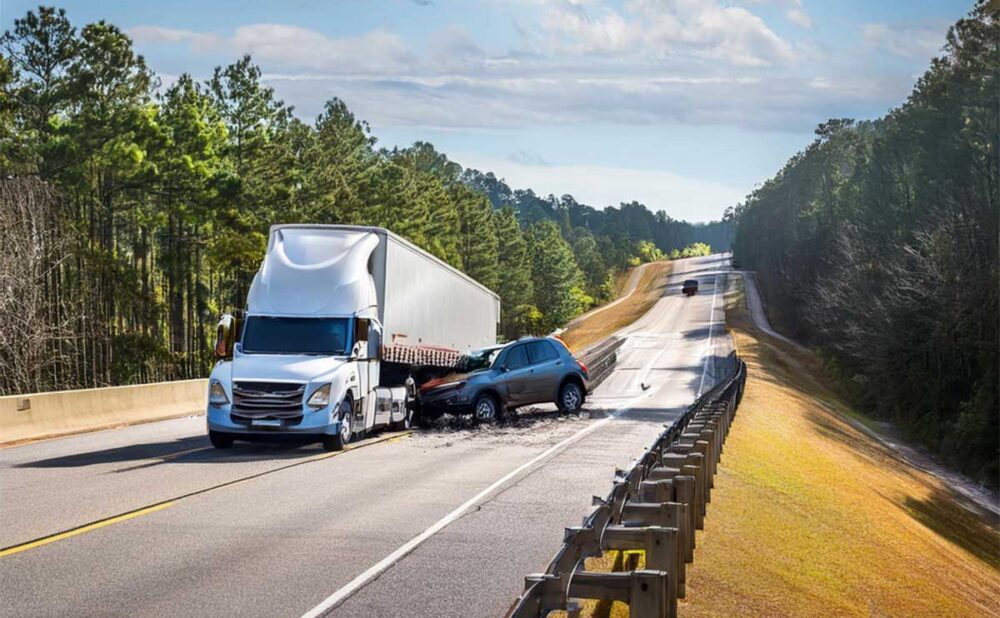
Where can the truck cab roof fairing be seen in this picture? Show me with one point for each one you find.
(314, 271)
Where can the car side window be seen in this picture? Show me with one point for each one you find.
(516, 358)
(541, 351)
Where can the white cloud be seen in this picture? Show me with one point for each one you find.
(527, 157)
(914, 43)
(581, 98)
(599, 186)
(798, 16)
(286, 46)
(646, 62)
(154, 35)
(454, 49)
(675, 28)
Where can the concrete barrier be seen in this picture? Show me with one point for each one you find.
(47, 415)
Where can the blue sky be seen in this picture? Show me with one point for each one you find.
(683, 105)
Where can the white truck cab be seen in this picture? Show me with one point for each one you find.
(336, 318)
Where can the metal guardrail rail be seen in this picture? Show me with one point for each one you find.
(654, 506)
(601, 360)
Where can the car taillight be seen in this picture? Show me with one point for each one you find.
(586, 371)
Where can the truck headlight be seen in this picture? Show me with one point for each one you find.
(320, 397)
(217, 394)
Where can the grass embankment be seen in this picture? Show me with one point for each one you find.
(603, 322)
(810, 516)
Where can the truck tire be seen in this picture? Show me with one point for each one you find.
(570, 397)
(486, 409)
(220, 440)
(339, 440)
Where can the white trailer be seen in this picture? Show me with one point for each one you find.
(336, 318)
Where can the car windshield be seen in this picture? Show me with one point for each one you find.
(268, 335)
(477, 360)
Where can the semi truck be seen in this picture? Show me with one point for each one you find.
(338, 319)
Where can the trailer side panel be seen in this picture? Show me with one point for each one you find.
(427, 303)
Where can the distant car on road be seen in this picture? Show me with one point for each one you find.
(493, 380)
(690, 287)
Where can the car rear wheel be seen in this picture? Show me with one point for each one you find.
(220, 440)
(486, 409)
(339, 440)
(570, 397)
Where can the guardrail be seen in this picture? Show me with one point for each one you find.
(655, 506)
(601, 359)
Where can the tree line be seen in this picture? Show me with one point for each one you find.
(134, 212)
(878, 243)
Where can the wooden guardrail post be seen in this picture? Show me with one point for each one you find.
(691, 464)
(645, 591)
(690, 445)
(661, 548)
(666, 490)
(664, 514)
(684, 494)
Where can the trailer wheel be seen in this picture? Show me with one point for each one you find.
(486, 409)
(339, 440)
(219, 439)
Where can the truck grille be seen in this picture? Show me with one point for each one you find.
(278, 400)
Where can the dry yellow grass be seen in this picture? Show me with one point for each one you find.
(590, 330)
(813, 517)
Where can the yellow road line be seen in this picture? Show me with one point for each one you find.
(170, 456)
(52, 538)
(155, 461)
(82, 529)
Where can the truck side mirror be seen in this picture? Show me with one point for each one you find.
(225, 336)
(361, 329)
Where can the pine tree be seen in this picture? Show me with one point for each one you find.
(477, 237)
(514, 282)
(556, 277)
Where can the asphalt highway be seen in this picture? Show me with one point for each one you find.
(150, 521)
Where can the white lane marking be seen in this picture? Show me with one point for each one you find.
(337, 598)
(708, 344)
(341, 595)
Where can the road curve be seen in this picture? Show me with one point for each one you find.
(630, 285)
(442, 523)
(756, 306)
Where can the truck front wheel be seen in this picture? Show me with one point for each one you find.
(339, 440)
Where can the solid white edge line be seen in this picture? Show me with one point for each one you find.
(341, 595)
(711, 327)
(337, 598)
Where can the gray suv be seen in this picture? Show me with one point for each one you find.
(492, 381)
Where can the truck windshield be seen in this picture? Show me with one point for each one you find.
(267, 335)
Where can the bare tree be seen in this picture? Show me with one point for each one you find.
(33, 319)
